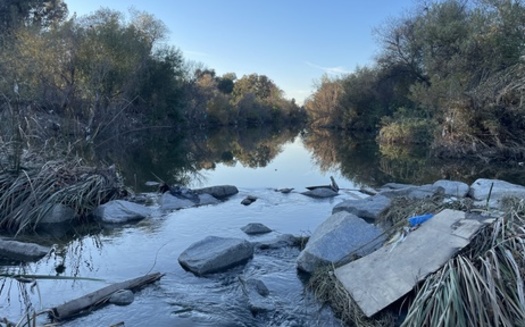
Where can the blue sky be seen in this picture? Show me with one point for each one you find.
(293, 42)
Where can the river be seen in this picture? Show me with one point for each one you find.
(257, 163)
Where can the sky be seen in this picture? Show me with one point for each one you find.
(293, 42)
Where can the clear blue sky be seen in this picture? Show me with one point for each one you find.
(293, 42)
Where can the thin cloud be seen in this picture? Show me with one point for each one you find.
(338, 70)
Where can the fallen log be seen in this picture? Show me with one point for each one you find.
(91, 301)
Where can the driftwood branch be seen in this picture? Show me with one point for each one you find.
(92, 300)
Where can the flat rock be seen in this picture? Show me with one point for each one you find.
(321, 193)
(453, 188)
(338, 239)
(219, 191)
(368, 208)
(255, 228)
(480, 189)
(215, 254)
(425, 192)
(22, 251)
(121, 211)
(122, 297)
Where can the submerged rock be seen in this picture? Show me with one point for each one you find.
(255, 228)
(281, 241)
(215, 254)
(122, 297)
(219, 191)
(20, 251)
(321, 193)
(338, 239)
(249, 200)
(120, 211)
(368, 208)
(257, 293)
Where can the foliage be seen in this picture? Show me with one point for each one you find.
(455, 63)
(406, 131)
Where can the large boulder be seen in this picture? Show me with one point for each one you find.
(20, 251)
(368, 208)
(215, 254)
(219, 191)
(121, 211)
(480, 189)
(170, 202)
(453, 188)
(338, 239)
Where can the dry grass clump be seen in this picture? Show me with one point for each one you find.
(328, 289)
(26, 196)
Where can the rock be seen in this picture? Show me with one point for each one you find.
(59, 214)
(219, 192)
(338, 239)
(480, 189)
(214, 254)
(321, 193)
(256, 291)
(170, 202)
(284, 190)
(393, 190)
(22, 251)
(120, 211)
(453, 188)
(207, 199)
(249, 200)
(425, 192)
(368, 208)
(122, 297)
(255, 228)
(281, 241)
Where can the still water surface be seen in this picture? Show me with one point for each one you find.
(256, 165)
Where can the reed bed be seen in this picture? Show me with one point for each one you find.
(26, 196)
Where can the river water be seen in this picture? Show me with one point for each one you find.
(257, 166)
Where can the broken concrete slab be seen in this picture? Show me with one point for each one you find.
(368, 208)
(384, 276)
(339, 238)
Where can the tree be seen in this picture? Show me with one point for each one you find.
(42, 14)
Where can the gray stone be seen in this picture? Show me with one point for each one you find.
(368, 208)
(321, 193)
(425, 192)
(255, 228)
(122, 297)
(249, 200)
(453, 188)
(337, 240)
(120, 211)
(207, 199)
(170, 202)
(281, 241)
(22, 251)
(219, 191)
(214, 254)
(59, 214)
(397, 192)
(395, 186)
(480, 189)
(257, 293)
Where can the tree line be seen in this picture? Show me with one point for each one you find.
(449, 74)
(107, 70)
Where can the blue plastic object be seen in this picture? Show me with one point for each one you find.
(418, 220)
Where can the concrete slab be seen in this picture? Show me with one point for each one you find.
(384, 276)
